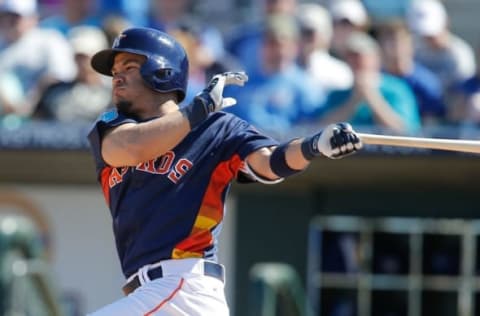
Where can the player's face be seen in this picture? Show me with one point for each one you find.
(128, 86)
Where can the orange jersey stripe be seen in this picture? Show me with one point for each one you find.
(211, 210)
(196, 242)
(104, 180)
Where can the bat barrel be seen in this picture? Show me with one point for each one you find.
(471, 146)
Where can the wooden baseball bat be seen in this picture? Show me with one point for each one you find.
(470, 146)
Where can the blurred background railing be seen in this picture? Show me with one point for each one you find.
(26, 285)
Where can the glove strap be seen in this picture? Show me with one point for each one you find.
(310, 148)
(196, 112)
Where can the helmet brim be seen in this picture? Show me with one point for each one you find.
(102, 61)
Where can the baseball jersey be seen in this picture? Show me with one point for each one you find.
(172, 206)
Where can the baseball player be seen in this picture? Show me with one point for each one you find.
(165, 171)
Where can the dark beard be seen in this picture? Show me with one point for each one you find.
(125, 107)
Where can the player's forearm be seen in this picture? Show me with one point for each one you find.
(294, 156)
(131, 144)
(263, 163)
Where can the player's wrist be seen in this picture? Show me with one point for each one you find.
(309, 147)
(196, 112)
(279, 164)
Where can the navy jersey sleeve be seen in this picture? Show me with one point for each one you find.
(105, 122)
(246, 139)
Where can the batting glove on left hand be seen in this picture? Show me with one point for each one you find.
(212, 94)
(335, 141)
(211, 98)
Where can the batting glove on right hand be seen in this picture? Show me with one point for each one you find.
(335, 141)
(211, 98)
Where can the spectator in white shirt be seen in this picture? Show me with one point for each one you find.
(316, 33)
(89, 94)
(451, 58)
(35, 57)
(349, 16)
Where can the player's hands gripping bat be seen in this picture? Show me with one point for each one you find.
(335, 141)
(211, 98)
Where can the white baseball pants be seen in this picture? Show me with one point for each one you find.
(181, 291)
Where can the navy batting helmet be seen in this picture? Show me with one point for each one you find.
(166, 65)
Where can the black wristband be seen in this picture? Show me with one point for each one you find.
(196, 112)
(278, 162)
(310, 147)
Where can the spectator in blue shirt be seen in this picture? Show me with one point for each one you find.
(244, 40)
(203, 64)
(73, 13)
(376, 99)
(468, 99)
(164, 15)
(397, 47)
(279, 94)
(132, 11)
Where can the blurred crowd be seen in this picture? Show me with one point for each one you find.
(308, 63)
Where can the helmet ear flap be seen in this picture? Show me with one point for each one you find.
(154, 73)
(160, 79)
(164, 74)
